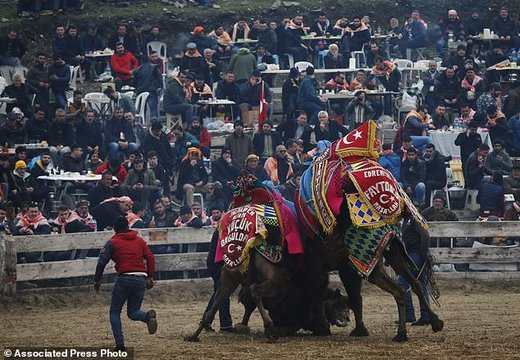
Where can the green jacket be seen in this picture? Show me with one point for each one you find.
(149, 180)
(242, 64)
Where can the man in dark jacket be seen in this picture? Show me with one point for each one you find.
(103, 190)
(148, 78)
(122, 36)
(491, 196)
(290, 93)
(73, 52)
(328, 130)
(61, 136)
(449, 28)
(297, 129)
(13, 131)
(89, 134)
(468, 141)
(156, 140)
(253, 167)
(38, 79)
(229, 89)
(505, 28)
(128, 251)
(22, 93)
(59, 77)
(448, 89)
(240, 144)
(435, 171)
(251, 92)
(119, 134)
(108, 211)
(175, 102)
(192, 176)
(475, 170)
(224, 169)
(308, 99)
(37, 127)
(192, 61)
(413, 177)
(12, 49)
(265, 142)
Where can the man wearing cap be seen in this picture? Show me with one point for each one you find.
(452, 26)
(109, 210)
(438, 211)
(201, 40)
(252, 166)
(278, 166)
(192, 176)
(128, 251)
(175, 101)
(239, 143)
(20, 185)
(224, 169)
(13, 130)
(82, 210)
(187, 218)
(192, 60)
(266, 141)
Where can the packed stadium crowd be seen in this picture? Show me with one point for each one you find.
(162, 176)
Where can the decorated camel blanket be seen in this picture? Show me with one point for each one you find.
(348, 173)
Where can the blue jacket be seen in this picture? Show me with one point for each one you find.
(491, 198)
(89, 134)
(392, 162)
(514, 130)
(307, 92)
(62, 71)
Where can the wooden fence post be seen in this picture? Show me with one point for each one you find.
(8, 261)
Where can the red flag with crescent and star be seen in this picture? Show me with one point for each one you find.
(262, 113)
(361, 142)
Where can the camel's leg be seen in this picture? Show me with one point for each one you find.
(246, 298)
(265, 289)
(397, 262)
(352, 283)
(229, 281)
(380, 278)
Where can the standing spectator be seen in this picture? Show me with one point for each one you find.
(38, 79)
(200, 133)
(290, 94)
(22, 93)
(390, 161)
(435, 171)
(141, 183)
(73, 52)
(242, 64)
(192, 176)
(148, 78)
(12, 49)
(119, 134)
(490, 96)
(417, 241)
(135, 217)
(89, 134)
(498, 160)
(505, 27)
(61, 136)
(429, 77)
(59, 78)
(308, 99)
(266, 141)
(157, 141)
(128, 251)
(413, 177)
(123, 64)
(491, 196)
(475, 170)
(278, 168)
(468, 141)
(175, 101)
(239, 143)
(328, 130)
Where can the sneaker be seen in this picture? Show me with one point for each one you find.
(151, 321)
(421, 322)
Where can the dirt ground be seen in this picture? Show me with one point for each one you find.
(481, 322)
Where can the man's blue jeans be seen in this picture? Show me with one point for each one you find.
(420, 142)
(61, 99)
(419, 193)
(410, 312)
(153, 103)
(223, 312)
(113, 148)
(130, 289)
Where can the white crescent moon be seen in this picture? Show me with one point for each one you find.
(382, 200)
(346, 141)
(231, 251)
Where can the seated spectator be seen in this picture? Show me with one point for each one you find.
(161, 218)
(359, 82)
(439, 119)
(328, 130)
(187, 218)
(13, 131)
(498, 160)
(59, 79)
(82, 210)
(450, 28)
(40, 168)
(239, 143)
(356, 35)
(121, 100)
(212, 67)
(266, 141)
(91, 42)
(6, 225)
(439, 212)
(435, 171)
(199, 212)
(141, 183)
(262, 56)
(37, 127)
(229, 90)
(61, 136)
(278, 167)
(22, 93)
(252, 167)
(223, 40)
(183, 141)
(115, 167)
(466, 114)
(68, 222)
(375, 51)
(505, 27)
(12, 49)
(123, 64)
(497, 125)
(73, 52)
(20, 185)
(240, 30)
(157, 141)
(491, 196)
(20, 153)
(512, 212)
(290, 94)
(58, 40)
(74, 162)
(93, 162)
(168, 205)
(413, 177)
(291, 38)
(135, 217)
(512, 182)
(199, 90)
(472, 87)
(390, 161)
(475, 169)
(127, 40)
(216, 214)
(268, 38)
(295, 154)
(308, 99)
(162, 177)
(103, 190)
(201, 40)
(224, 170)
(175, 101)
(253, 92)
(89, 134)
(333, 59)
(119, 134)
(291, 185)
(192, 62)
(32, 222)
(77, 109)
(359, 110)
(202, 135)
(416, 126)
(297, 129)
(448, 89)
(216, 197)
(490, 96)
(109, 210)
(192, 176)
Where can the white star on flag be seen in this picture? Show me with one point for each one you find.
(239, 248)
(357, 134)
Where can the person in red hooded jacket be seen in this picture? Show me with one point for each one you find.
(128, 251)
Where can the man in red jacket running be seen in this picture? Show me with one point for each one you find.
(128, 251)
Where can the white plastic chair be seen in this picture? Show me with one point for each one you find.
(444, 189)
(290, 60)
(403, 63)
(160, 47)
(21, 70)
(303, 65)
(74, 76)
(140, 107)
(7, 73)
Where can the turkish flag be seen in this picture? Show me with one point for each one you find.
(359, 142)
(262, 113)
